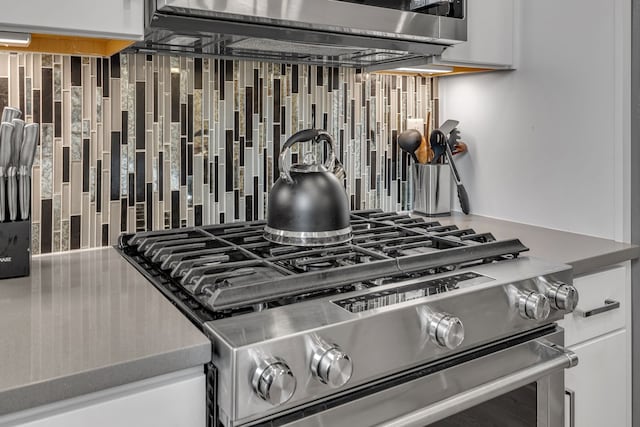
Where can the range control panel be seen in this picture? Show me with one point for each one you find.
(405, 293)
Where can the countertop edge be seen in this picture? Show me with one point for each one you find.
(593, 264)
(585, 253)
(70, 386)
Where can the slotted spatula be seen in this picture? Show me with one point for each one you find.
(436, 145)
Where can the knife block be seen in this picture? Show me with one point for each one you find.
(15, 249)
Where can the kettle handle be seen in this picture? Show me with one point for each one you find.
(302, 136)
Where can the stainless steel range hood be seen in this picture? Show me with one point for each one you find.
(352, 33)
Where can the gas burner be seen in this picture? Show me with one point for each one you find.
(304, 261)
(306, 264)
(310, 264)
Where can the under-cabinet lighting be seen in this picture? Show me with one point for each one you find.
(424, 70)
(14, 39)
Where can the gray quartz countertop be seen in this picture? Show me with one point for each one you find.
(585, 253)
(86, 321)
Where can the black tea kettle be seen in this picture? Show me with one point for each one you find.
(308, 205)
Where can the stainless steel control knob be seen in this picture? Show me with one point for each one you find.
(562, 296)
(532, 305)
(331, 365)
(273, 381)
(446, 330)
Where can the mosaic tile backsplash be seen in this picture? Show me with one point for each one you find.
(138, 142)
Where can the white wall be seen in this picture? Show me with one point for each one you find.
(548, 142)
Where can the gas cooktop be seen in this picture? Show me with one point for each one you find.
(220, 271)
(300, 334)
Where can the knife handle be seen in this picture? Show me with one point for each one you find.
(12, 197)
(25, 196)
(464, 198)
(21, 181)
(3, 206)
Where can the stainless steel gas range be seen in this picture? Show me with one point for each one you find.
(411, 324)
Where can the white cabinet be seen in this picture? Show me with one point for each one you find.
(599, 382)
(599, 388)
(490, 36)
(113, 19)
(172, 400)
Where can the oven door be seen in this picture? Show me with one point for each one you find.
(505, 385)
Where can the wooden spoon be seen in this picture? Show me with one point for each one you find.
(422, 153)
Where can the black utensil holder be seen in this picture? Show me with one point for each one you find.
(15, 249)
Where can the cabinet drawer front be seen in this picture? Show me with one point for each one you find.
(598, 311)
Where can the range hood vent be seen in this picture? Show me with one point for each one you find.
(321, 32)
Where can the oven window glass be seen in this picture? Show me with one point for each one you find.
(515, 409)
(453, 9)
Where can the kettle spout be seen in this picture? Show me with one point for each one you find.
(338, 170)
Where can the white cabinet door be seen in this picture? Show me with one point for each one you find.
(599, 382)
(490, 27)
(118, 19)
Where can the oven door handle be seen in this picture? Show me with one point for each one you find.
(429, 394)
(564, 359)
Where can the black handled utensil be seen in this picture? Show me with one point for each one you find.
(440, 138)
(409, 141)
(462, 192)
(438, 147)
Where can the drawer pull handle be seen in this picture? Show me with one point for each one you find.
(572, 407)
(609, 305)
